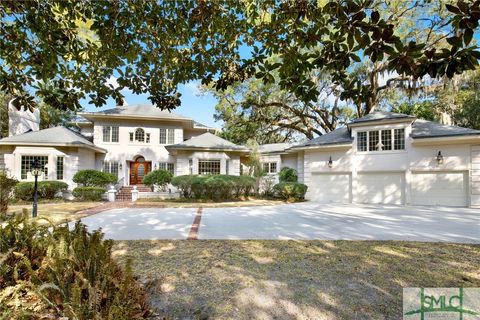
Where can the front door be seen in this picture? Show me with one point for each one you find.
(138, 170)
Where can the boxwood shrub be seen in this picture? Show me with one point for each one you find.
(89, 193)
(214, 187)
(94, 178)
(46, 189)
(159, 178)
(290, 190)
(288, 174)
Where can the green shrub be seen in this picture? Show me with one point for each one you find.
(52, 272)
(49, 189)
(291, 190)
(159, 178)
(184, 184)
(288, 175)
(94, 178)
(7, 185)
(214, 187)
(46, 189)
(88, 193)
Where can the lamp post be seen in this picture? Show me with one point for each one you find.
(36, 170)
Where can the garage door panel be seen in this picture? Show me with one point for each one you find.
(330, 188)
(439, 188)
(380, 188)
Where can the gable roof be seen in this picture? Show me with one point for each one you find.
(429, 129)
(144, 111)
(340, 136)
(207, 141)
(382, 116)
(56, 136)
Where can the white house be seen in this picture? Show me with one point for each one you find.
(384, 157)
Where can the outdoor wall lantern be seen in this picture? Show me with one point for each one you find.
(439, 158)
(330, 162)
(120, 166)
(156, 166)
(36, 171)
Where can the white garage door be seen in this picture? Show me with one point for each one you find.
(384, 187)
(439, 188)
(329, 188)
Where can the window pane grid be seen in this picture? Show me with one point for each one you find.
(169, 166)
(373, 141)
(59, 168)
(387, 139)
(115, 134)
(110, 134)
(140, 135)
(270, 167)
(163, 136)
(362, 141)
(111, 167)
(399, 142)
(26, 165)
(106, 134)
(171, 136)
(209, 166)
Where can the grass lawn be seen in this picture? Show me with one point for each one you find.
(57, 212)
(294, 279)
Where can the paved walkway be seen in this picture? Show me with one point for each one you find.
(294, 221)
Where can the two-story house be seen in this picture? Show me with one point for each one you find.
(382, 158)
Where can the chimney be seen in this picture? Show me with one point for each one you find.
(21, 120)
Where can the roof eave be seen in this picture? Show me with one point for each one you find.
(171, 147)
(324, 146)
(95, 115)
(466, 138)
(380, 122)
(48, 144)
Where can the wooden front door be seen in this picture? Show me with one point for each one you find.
(138, 170)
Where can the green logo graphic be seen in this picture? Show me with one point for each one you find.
(440, 301)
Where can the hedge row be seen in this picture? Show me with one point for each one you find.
(214, 187)
(89, 193)
(46, 189)
(290, 190)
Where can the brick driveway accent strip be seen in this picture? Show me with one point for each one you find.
(193, 234)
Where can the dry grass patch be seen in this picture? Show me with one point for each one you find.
(57, 212)
(192, 203)
(294, 279)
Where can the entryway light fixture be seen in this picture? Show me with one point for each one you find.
(330, 162)
(120, 166)
(439, 158)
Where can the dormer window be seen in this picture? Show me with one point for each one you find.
(139, 136)
(381, 140)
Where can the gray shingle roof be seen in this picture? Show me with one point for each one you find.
(382, 115)
(430, 129)
(273, 147)
(338, 136)
(208, 141)
(50, 137)
(140, 110)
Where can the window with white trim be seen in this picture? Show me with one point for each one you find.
(169, 166)
(110, 134)
(190, 166)
(381, 140)
(111, 167)
(26, 166)
(60, 167)
(270, 167)
(208, 166)
(167, 136)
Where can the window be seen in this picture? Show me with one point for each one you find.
(387, 139)
(399, 142)
(167, 136)
(167, 166)
(140, 135)
(227, 166)
(131, 136)
(110, 134)
(209, 167)
(381, 140)
(147, 138)
(60, 168)
(362, 141)
(373, 141)
(190, 166)
(111, 167)
(26, 165)
(270, 167)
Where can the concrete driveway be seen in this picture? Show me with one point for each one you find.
(294, 221)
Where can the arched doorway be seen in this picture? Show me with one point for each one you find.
(138, 169)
